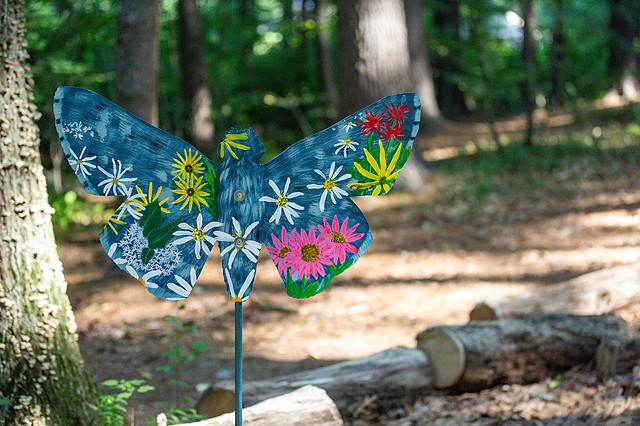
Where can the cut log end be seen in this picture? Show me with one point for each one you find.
(215, 402)
(486, 353)
(446, 354)
(483, 312)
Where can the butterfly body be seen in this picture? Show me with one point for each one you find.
(241, 180)
(179, 204)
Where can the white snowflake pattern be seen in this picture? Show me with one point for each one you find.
(165, 259)
(78, 130)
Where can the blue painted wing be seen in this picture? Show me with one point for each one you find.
(311, 228)
(162, 233)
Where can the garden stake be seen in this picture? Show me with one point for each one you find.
(238, 362)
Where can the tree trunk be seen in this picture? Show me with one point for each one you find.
(193, 77)
(623, 59)
(328, 81)
(137, 58)
(529, 66)
(393, 375)
(373, 58)
(589, 294)
(374, 62)
(421, 76)
(487, 100)
(487, 353)
(557, 55)
(308, 405)
(43, 380)
(446, 21)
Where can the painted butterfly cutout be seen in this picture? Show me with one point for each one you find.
(179, 204)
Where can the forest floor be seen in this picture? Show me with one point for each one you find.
(486, 224)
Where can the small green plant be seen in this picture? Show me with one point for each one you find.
(180, 355)
(177, 415)
(112, 408)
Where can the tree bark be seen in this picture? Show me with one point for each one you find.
(487, 353)
(193, 77)
(373, 53)
(137, 58)
(373, 62)
(393, 375)
(421, 75)
(557, 55)
(308, 405)
(487, 101)
(589, 294)
(529, 67)
(43, 380)
(617, 357)
(328, 80)
(446, 21)
(624, 27)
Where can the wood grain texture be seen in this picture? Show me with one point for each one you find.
(394, 376)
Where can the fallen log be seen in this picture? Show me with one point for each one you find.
(594, 293)
(486, 353)
(308, 405)
(393, 375)
(617, 357)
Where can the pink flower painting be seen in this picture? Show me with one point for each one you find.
(340, 237)
(309, 253)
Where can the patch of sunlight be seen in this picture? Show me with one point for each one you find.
(610, 219)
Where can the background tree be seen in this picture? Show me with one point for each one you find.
(529, 66)
(421, 76)
(42, 376)
(328, 81)
(373, 53)
(624, 24)
(137, 58)
(373, 62)
(482, 70)
(557, 54)
(446, 43)
(193, 78)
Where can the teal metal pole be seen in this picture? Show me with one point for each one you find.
(238, 363)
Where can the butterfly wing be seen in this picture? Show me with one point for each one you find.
(313, 231)
(163, 232)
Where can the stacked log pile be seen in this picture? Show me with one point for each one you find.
(513, 340)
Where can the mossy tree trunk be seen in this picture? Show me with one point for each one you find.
(43, 380)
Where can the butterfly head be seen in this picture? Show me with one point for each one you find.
(239, 144)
